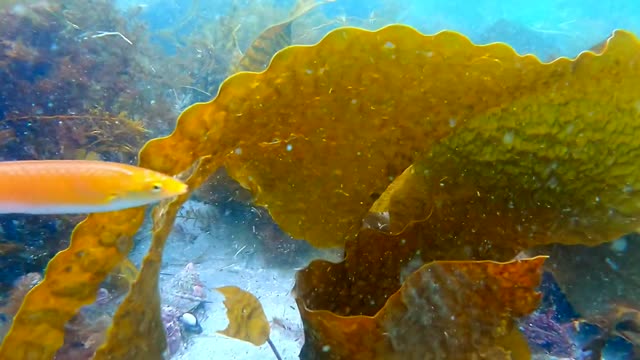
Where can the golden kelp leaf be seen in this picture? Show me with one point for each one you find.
(247, 320)
(71, 281)
(318, 136)
(446, 309)
(137, 331)
(558, 169)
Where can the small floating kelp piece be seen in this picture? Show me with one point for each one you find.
(456, 310)
(137, 331)
(258, 55)
(273, 39)
(247, 321)
(71, 281)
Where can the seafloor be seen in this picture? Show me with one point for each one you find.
(225, 252)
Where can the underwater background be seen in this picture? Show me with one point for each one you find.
(524, 158)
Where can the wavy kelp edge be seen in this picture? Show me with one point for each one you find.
(194, 132)
(71, 281)
(137, 331)
(445, 299)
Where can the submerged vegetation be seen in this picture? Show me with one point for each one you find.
(447, 171)
(87, 82)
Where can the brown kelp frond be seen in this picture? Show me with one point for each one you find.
(467, 308)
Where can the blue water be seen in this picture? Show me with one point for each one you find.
(565, 26)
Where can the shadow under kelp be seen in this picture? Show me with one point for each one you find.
(605, 298)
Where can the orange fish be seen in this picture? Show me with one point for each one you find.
(80, 186)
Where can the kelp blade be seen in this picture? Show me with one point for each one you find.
(329, 132)
(137, 331)
(71, 281)
(446, 309)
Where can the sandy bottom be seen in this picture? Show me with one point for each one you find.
(272, 288)
(225, 250)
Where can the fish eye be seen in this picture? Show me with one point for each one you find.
(156, 187)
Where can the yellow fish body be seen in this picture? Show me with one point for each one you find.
(80, 186)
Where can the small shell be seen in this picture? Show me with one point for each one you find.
(190, 323)
(189, 319)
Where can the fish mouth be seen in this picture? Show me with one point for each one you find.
(181, 189)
